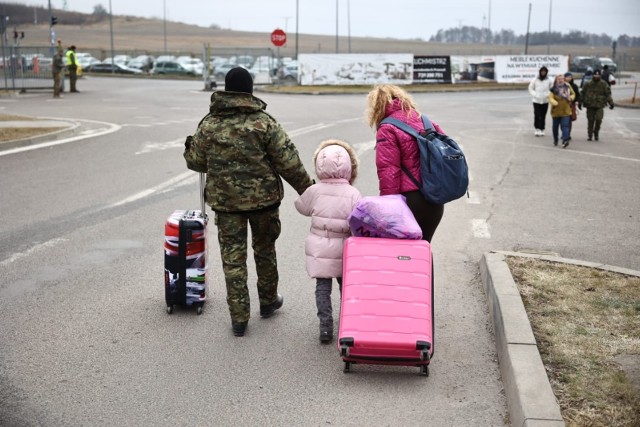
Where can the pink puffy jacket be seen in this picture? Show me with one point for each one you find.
(395, 147)
(329, 203)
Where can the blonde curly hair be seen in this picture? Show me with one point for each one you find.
(384, 94)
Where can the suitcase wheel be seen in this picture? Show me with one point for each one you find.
(347, 367)
(169, 309)
(424, 370)
(199, 310)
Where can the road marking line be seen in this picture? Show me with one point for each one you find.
(111, 128)
(480, 229)
(363, 147)
(165, 186)
(308, 129)
(31, 250)
(160, 146)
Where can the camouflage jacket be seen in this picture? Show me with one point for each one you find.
(57, 65)
(244, 152)
(596, 94)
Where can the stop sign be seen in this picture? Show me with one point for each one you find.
(278, 37)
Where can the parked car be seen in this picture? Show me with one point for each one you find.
(118, 59)
(142, 62)
(221, 70)
(192, 64)
(165, 58)
(170, 67)
(613, 67)
(103, 67)
(245, 61)
(580, 64)
(86, 60)
(289, 72)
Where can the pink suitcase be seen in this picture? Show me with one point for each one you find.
(386, 313)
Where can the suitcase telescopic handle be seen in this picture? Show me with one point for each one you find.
(203, 178)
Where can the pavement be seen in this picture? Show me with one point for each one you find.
(530, 398)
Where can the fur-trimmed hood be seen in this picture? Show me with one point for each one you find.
(330, 161)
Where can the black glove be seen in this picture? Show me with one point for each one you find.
(611, 106)
(580, 106)
(187, 143)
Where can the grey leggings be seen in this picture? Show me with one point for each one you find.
(323, 301)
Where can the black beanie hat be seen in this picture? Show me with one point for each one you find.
(238, 79)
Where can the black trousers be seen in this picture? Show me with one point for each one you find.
(428, 215)
(539, 115)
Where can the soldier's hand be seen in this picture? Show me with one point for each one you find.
(611, 106)
(187, 143)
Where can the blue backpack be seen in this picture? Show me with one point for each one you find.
(443, 166)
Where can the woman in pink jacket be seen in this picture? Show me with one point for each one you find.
(395, 148)
(328, 203)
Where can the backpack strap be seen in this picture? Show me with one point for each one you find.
(411, 131)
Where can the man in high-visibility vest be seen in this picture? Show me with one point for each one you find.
(72, 66)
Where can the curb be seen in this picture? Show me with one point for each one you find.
(530, 398)
(71, 130)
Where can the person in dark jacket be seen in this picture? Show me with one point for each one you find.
(576, 103)
(595, 96)
(244, 152)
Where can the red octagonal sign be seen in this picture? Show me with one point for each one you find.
(278, 37)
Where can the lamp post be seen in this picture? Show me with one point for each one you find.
(337, 46)
(549, 32)
(297, 20)
(113, 61)
(164, 24)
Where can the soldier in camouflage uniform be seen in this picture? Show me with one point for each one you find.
(596, 94)
(245, 152)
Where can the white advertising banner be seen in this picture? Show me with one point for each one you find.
(355, 69)
(524, 68)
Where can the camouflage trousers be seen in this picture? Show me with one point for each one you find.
(594, 120)
(232, 237)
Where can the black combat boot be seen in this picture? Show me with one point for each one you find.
(239, 328)
(268, 310)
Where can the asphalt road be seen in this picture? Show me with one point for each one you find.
(84, 332)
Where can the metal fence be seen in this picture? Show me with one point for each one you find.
(23, 68)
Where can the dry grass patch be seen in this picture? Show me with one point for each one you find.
(583, 319)
(11, 134)
(11, 118)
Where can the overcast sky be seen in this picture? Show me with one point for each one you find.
(403, 19)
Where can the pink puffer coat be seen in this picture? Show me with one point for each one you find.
(395, 147)
(329, 203)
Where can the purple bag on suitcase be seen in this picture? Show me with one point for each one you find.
(384, 216)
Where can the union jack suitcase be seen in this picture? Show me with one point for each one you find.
(185, 257)
(386, 313)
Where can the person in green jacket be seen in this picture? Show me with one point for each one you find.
(245, 153)
(596, 94)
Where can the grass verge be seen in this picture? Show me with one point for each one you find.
(584, 321)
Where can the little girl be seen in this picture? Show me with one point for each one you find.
(329, 203)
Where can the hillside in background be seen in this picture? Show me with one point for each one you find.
(134, 35)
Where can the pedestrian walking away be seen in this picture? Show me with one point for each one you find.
(575, 104)
(72, 67)
(560, 97)
(396, 149)
(245, 153)
(57, 66)
(596, 95)
(539, 89)
(329, 203)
